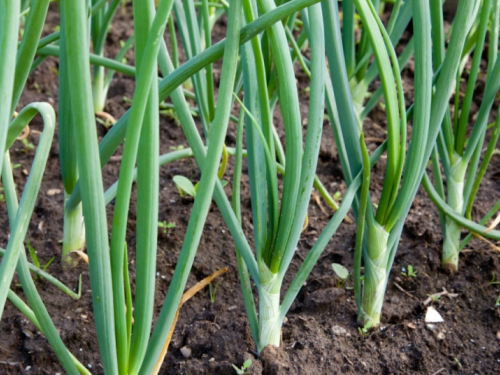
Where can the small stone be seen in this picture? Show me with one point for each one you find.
(338, 331)
(432, 316)
(186, 351)
(441, 336)
(52, 192)
(27, 333)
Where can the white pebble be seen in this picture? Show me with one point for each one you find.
(432, 316)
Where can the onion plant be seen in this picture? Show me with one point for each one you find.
(74, 229)
(113, 323)
(168, 86)
(123, 349)
(196, 37)
(383, 224)
(19, 214)
(275, 234)
(357, 55)
(195, 30)
(459, 151)
(100, 23)
(175, 78)
(258, 64)
(277, 228)
(15, 67)
(274, 247)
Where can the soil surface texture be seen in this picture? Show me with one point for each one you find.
(320, 335)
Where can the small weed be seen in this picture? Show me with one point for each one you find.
(27, 145)
(342, 274)
(35, 259)
(37, 88)
(55, 70)
(409, 273)
(124, 59)
(185, 186)
(166, 226)
(434, 297)
(495, 280)
(364, 330)
(176, 148)
(337, 196)
(33, 255)
(244, 367)
(212, 290)
(171, 114)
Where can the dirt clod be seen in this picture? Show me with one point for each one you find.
(275, 360)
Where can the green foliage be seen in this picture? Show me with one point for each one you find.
(342, 274)
(166, 226)
(212, 290)
(33, 255)
(337, 196)
(363, 331)
(340, 271)
(434, 297)
(27, 145)
(124, 348)
(495, 280)
(176, 148)
(409, 272)
(185, 186)
(361, 50)
(34, 258)
(244, 367)
(171, 114)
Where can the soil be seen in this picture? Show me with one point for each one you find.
(320, 335)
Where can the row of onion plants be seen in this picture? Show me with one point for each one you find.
(125, 347)
(436, 70)
(260, 54)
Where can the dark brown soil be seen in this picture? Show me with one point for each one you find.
(320, 335)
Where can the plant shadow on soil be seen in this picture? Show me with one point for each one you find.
(320, 335)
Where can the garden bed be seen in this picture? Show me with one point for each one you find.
(320, 335)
